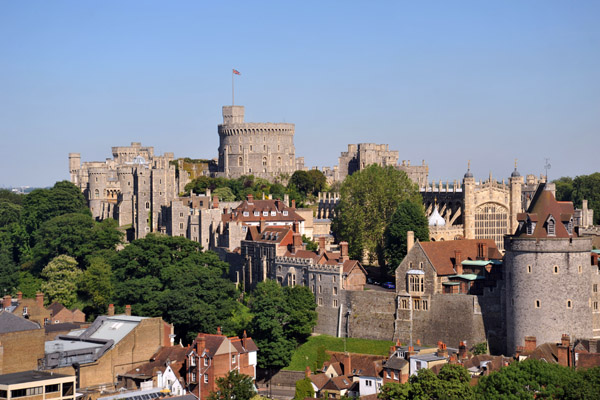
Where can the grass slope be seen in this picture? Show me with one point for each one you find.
(307, 353)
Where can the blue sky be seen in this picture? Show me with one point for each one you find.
(443, 81)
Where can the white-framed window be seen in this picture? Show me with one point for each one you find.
(206, 376)
(192, 360)
(273, 213)
(265, 213)
(233, 358)
(246, 214)
(206, 361)
(551, 226)
(285, 213)
(257, 213)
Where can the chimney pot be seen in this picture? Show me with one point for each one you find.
(7, 301)
(293, 204)
(128, 309)
(19, 295)
(250, 198)
(111, 310)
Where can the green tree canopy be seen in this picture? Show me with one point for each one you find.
(62, 277)
(304, 389)
(233, 386)
(409, 216)
(368, 199)
(308, 183)
(96, 284)
(172, 277)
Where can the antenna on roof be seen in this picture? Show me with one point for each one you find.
(547, 166)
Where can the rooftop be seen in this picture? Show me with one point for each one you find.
(28, 376)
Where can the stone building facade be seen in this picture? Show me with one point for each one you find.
(132, 187)
(265, 150)
(551, 283)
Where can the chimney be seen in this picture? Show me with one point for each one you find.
(7, 302)
(563, 348)
(462, 351)
(530, 344)
(219, 330)
(307, 372)
(442, 350)
(250, 198)
(19, 295)
(39, 299)
(111, 310)
(321, 244)
(453, 359)
(215, 201)
(458, 262)
(347, 364)
(344, 251)
(262, 225)
(392, 350)
(296, 227)
(297, 243)
(484, 251)
(200, 344)
(410, 240)
(128, 310)
(293, 204)
(398, 344)
(244, 339)
(411, 352)
(519, 351)
(418, 342)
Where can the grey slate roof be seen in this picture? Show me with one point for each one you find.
(12, 323)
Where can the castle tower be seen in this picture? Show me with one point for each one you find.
(548, 275)
(97, 191)
(265, 150)
(469, 203)
(516, 187)
(74, 167)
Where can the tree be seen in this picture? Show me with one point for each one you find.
(97, 285)
(271, 315)
(480, 348)
(409, 216)
(587, 187)
(233, 386)
(395, 391)
(368, 199)
(304, 389)
(310, 244)
(308, 183)
(564, 189)
(62, 277)
(224, 194)
(302, 315)
(9, 213)
(172, 277)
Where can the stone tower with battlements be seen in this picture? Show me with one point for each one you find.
(265, 150)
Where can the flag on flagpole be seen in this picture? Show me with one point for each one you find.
(235, 71)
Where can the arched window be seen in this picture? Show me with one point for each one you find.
(491, 222)
(264, 161)
(97, 193)
(240, 161)
(147, 205)
(279, 161)
(551, 226)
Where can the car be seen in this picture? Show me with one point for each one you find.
(389, 285)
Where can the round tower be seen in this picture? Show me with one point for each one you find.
(97, 190)
(548, 275)
(469, 203)
(265, 150)
(516, 187)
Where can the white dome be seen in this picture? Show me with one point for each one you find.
(436, 219)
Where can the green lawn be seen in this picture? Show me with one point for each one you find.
(307, 353)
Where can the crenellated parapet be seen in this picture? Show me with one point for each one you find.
(251, 128)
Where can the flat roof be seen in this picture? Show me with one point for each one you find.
(29, 376)
(52, 346)
(427, 357)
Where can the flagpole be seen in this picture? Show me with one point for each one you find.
(232, 90)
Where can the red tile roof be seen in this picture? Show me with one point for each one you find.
(262, 206)
(175, 354)
(441, 254)
(544, 205)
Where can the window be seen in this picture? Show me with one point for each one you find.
(246, 214)
(425, 305)
(320, 301)
(369, 382)
(556, 269)
(550, 226)
(264, 161)
(320, 277)
(580, 269)
(404, 304)
(250, 147)
(147, 205)
(52, 388)
(335, 303)
(180, 215)
(192, 360)
(206, 361)
(206, 376)
(595, 306)
(96, 195)
(285, 213)
(529, 269)
(595, 288)
(264, 147)
(25, 310)
(320, 289)
(569, 304)
(273, 213)
(415, 283)
(279, 268)
(233, 358)
(387, 374)
(537, 304)
(335, 290)
(421, 266)
(416, 304)
(257, 213)
(265, 213)
(530, 227)
(334, 279)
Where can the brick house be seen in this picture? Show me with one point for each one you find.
(21, 343)
(214, 356)
(61, 314)
(32, 309)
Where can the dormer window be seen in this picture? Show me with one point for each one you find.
(569, 226)
(257, 213)
(246, 214)
(273, 213)
(265, 213)
(530, 226)
(551, 226)
(285, 213)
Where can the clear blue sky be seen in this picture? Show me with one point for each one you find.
(444, 81)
